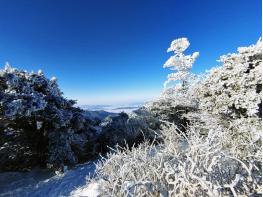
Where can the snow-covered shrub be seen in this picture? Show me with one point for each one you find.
(231, 94)
(235, 88)
(183, 165)
(38, 125)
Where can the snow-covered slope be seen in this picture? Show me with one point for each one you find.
(41, 183)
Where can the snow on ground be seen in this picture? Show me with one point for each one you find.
(39, 182)
(93, 189)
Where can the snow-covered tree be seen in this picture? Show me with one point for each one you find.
(180, 63)
(179, 99)
(38, 126)
(235, 88)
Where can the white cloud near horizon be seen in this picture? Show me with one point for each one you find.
(113, 98)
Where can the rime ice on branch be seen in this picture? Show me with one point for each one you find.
(179, 62)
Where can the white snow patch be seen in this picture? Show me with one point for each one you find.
(42, 183)
(91, 190)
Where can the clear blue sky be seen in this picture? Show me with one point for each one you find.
(112, 51)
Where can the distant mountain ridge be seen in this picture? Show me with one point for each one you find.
(113, 108)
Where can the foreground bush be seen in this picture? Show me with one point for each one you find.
(192, 166)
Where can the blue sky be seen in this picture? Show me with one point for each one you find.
(112, 51)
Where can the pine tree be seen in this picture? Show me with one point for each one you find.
(179, 63)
